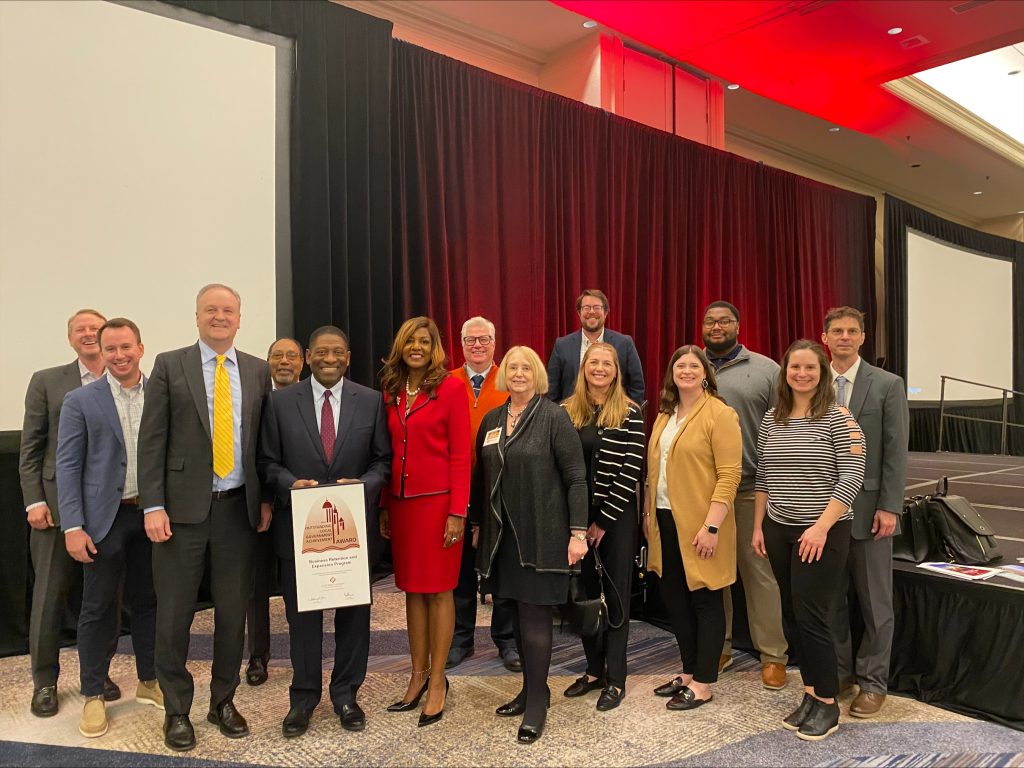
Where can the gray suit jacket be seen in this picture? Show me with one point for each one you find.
(91, 460)
(291, 449)
(879, 404)
(175, 439)
(37, 463)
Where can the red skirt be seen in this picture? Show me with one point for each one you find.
(421, 563)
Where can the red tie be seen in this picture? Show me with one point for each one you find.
(327, 433)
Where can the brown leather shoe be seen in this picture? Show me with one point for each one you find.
(867, 704)
(725, 660)
(773, 675)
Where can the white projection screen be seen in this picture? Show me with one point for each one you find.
(960, 321)
(141, 157)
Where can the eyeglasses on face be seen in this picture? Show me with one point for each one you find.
(722, 322)
(592, 308)
(471, 341)
(285, 355)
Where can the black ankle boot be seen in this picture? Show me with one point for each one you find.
(795, 719)
(822, 721)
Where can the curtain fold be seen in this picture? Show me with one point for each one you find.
(508, 201)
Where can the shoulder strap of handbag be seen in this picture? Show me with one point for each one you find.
(942, 487)
(601, 578)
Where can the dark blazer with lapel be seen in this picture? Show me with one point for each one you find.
(291, 449)
(37, 463)
(564, 365)
(175, 440)
(91, 460)
(879, 404)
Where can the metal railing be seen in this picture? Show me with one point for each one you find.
(1003, 422)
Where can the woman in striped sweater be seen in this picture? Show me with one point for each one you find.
(611, 429)
(810, 468)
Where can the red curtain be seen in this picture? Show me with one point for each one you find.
(508, 201)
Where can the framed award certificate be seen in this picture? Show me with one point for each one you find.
(332, 559)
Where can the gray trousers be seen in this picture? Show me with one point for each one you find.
(870, 565)
(57, 589)
(764, 606)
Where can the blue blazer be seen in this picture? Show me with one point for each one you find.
(91, 460)
(564, 365)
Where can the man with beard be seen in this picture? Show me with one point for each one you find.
(567, 354)
(324, 429)
(746, 381)
(285, 360)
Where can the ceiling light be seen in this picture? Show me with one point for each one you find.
(733, 87)
(915, 165)
(834, 129)
(895, 30)
(1014, 72)
(589, 24)
(977, 193)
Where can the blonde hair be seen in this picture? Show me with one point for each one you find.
(540, 373)
(580, 406)
(395, 372)
(85, 311)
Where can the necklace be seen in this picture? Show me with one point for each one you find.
(513, 418)
(410, 395)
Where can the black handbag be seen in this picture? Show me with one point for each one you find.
(588, 616)
(962, 535)
(916, 540)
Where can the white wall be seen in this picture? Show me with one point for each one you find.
(137, 163)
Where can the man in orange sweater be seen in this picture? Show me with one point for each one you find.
(479, 374)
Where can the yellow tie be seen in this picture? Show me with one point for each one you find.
(223, 422)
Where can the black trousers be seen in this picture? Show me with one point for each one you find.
(606, 652)
(306, 639)
(56, 597)
(697, 616)
(257, 615)
(225, 540)
(465, 595)
(809, 593)
(125, 556)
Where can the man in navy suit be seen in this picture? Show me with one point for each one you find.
(323, 430)
(564, 362)
(98, 495)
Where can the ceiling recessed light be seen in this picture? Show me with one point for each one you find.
(915, 165)
(1014, 72)
(733, 87)
(589, 24)
(834, 129)
(895, 30)
(977, 193)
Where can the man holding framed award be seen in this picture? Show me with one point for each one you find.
(321, 431)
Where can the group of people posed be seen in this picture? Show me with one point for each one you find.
(504, 477)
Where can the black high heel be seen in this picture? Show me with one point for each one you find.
(409, 706)
(530, 733)
(517, 706)
(426, 719)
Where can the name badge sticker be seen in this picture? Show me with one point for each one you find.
(491, 438)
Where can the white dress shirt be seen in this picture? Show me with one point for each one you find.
(850, 377)
(318, 400)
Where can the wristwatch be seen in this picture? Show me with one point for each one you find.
(711, 528)
(580, 535)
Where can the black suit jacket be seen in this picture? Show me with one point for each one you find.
(564, 365)
(291, 449)
(175, 439)
(37, 463)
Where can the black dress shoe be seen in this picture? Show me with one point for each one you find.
(426, 719)
(517, 706)
(256, 671)
(583, 686)
(44, 701)
(822, 721)
(671, 688)
(529, 733)
(178, 733)
(296, 722)
(795, 719)
(458, 655)
(229, 720)
(610, 698)
(111, 692)
(352, 717)
(510, 658)
(409, 706)
(686, 699)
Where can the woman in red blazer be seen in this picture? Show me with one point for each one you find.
(426, 500)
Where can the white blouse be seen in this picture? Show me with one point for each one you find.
(665, 442)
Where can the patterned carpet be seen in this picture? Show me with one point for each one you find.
(741, 727)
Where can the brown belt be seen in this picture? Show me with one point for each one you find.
(131, 501)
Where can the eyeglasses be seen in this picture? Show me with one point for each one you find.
(471, 341)
(592, 308)
(288, 355)
(723, 322)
